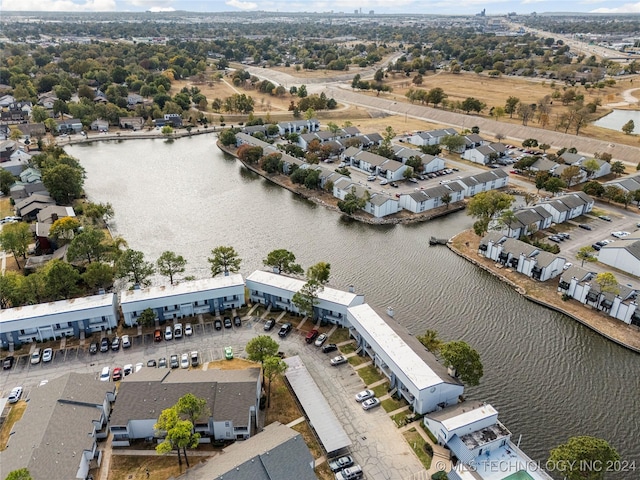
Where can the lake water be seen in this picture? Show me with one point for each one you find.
(549, 377)
(616, 119)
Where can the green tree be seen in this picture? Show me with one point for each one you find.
(132, 266)
(586, 254)
(511, 105)
(6, 181)
(271, 367)
(87, 244)
(446, 199)
(593, 188)
(617, 168)
(352, 203)
(98, 211)
(147, 317)
(225, 260)
(192, 407)
(63, 229)
(464, 359)
(261, 347)
(227, 137)
(307, 298)
(21, 474)
(98, 275)
(167, 130)
(591, 166)
(453, 143)
(63, 182)
(320, 273)
(430, 340)
(436, 96)
(571, 174)
(608, 283)
(628, 127)
(544, 147)
(178, 434)
(170, 264)
(61, 280)
(15, 238)
(577, 457)
(487, 206)
(554, 185)
(283, 260)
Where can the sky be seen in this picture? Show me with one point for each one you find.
(460, 7)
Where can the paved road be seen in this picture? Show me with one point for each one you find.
(377, 444)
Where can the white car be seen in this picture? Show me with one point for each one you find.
(47, 355)
(126, 341)
(36, 356)
(177, 331)
(320, 340)
(15, 395)
(384, 181)
(184, 361)
(168, 333)
(105, 375)
(370, 403)
(364, 395)
(127, 369)
(371, 178)
(567, 266)
(139, 366)
(188, 330)
(619, 234)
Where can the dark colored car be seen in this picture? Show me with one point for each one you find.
(173, 361)
(93, 348)
(104, 345)
(236, 321)
(115, 344)
(596, 247)
(8, 362)
(331, 347)
(268, 325)
(311, 336)
(218, 325)
(227, 322)
(284, 330)
(151, 363)
(585, 226)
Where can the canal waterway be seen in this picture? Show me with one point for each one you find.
(549, 377)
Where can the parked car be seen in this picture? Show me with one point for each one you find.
(331, 347)
(173, 361)
(117, 374)
(127, 369)
(15, 394)
(139, 366)
(227, 322)
(36, 356)
(217, 324)
(228, 353)
(619, 234)
(585, 226)
(394, 184)
(126, 341)
(350, 473)
(162, 362)
(371, 178)
(567, 266)
(605, 218)
(157, 335)
(311, 336)
(47, 355)
(188, 330)
(177, 331)
(553, 238)
(8, 362)
(339, 360)
(93, 348)
(168, 333)
(370, 403)
(340, 463)
(104, 345)
(596, 247)
(151, 363)
(184, 360)
(285, 329)
(194, 358)
(268, 325)
(115, 344)
(321, 339)
(237, 321)
(384, 181)
(105, 375)
(364, 395)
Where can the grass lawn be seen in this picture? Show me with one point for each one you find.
(399, 418)
(370, 375)
(417, 443)
(161, 467)
(14, 415)
(381, 390)
(348, 348)
(283, 407)
(235, 364)
(340, 335)
(305, 430)
(6, 210)
(357, 360)
(391, 404)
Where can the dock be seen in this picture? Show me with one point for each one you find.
(438, 241)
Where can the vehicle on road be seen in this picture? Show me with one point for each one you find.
(8, 362)
(188, 330)
(184, 360)
(371, 178)
(285, 329)
(173, 361)
(47, 355)
(36, 356)
(619, 234)
(218, 325)
(350, 473)
(228, 353)
(567, 266)
(384, 181)
(268, 325)
(596, 247)
(585, 226)
(339, 360)
(105, 375)
(15, 394)
(331, 347)
(126, 341)
(227, 322)
(321, 339)
(117, 374)
(364, 395)
(340, 463)
(606, 218)
(311, 336)
(370, 403)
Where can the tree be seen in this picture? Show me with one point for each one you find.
(586, 254)
(97, 211)
(282, 260)
(192, 407)
(591, 166)
(593, 188)
(319, 273)
(21, 474)
(227, 137)
(486, 206)
(352, 203)
(15, 238)
(98, 275)
(132, 265)
(544, 147)
(170, 264)
(608, 283)
(617, 168)
(430, 340)
(261, 347)
(63, 182)
(583, 458)
(541, 179)
(167, 130)
(6, 181)
(178, 434)
(464, 359)
(628, 127)
(61, 280)
(87, 244)
(554, 185)
(225, 260)
(571, 174)
(436, 96)
(446, 199)
(147, 317)
(63, 229)
(271, 367)
(510, 105)
(306, 298)
(453, 143)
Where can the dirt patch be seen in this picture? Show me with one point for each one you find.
(14, 416)
(160, 467)
(235, 364)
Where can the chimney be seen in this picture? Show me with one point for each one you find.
(352, 289)
(54, 217)
(390, 311)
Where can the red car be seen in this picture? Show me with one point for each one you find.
(117, 374)
(311, 336)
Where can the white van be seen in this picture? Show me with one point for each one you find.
(105, 374)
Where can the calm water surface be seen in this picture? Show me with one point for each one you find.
(616, 119)
(549, 377)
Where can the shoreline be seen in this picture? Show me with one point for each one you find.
(131, 135)
(626, 336)
(360, 217)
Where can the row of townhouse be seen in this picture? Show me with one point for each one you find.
(574, 281)
(540, 217)
(571, 159)
(626, 184)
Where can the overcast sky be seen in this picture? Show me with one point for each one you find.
(493, 7)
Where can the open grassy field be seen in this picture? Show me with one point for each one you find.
(161, 467)
(17, 410)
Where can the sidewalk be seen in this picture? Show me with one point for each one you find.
(441, 460)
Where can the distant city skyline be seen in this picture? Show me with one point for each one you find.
(440, 7)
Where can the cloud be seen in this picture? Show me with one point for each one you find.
(58, 6)
(242, 5)
(162, 9)
(626, 8)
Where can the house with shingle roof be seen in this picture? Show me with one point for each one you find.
(430, 163)
(628, 184)
(431, 137)
(299, 126)
(485, 154)
(482, 182)
(232, 397)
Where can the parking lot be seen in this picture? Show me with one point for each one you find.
(378, 446)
